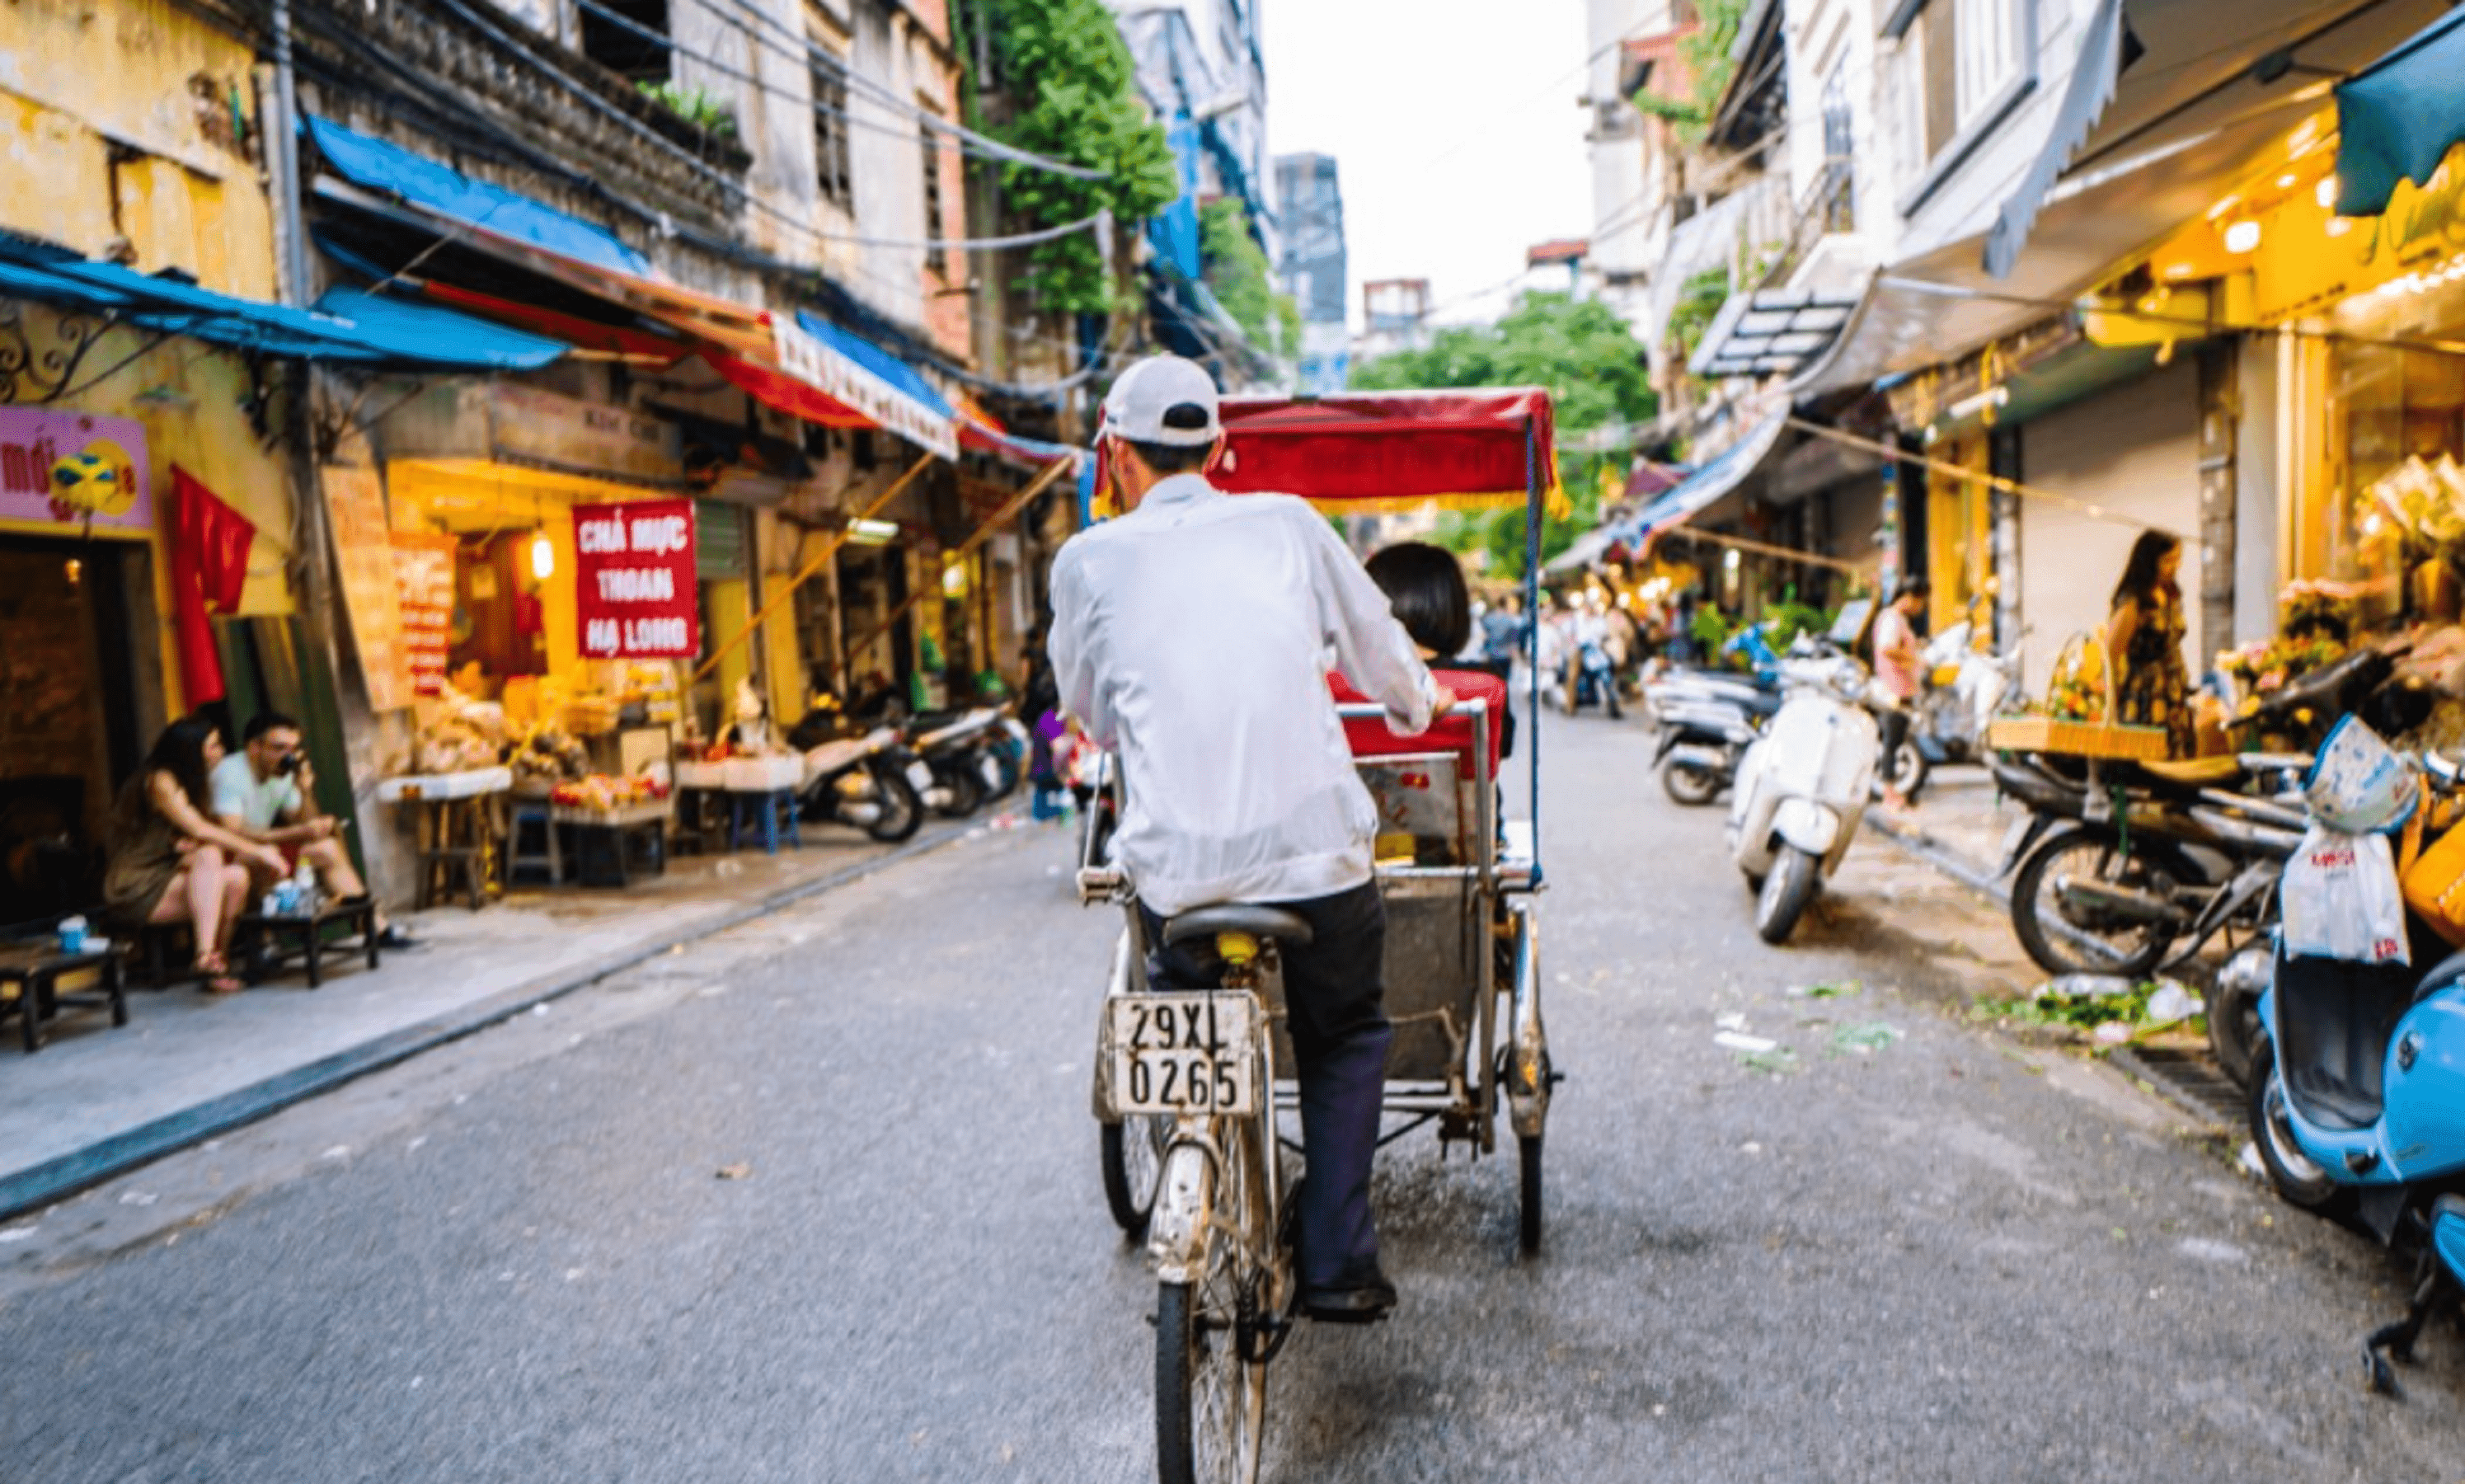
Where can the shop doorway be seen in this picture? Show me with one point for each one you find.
(880, 655)
(69, 732)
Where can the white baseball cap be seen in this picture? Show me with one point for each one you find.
(1148, 393)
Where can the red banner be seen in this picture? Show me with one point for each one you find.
(634, 576)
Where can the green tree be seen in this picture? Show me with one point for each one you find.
(1073, 96)
(1237, 274)
(1594, 371)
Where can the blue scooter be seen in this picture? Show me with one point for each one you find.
(2356, 1108)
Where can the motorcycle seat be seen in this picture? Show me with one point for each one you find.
(2195, 772)
(1288, 930)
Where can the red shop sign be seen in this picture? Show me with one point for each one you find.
(634, 574)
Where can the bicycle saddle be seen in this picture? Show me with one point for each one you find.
(1285, 928)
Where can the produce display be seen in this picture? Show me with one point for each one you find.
(599, 792)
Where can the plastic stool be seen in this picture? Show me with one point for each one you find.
(770, 809)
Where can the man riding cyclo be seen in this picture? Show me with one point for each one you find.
(1191, 635)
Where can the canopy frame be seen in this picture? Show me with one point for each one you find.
(1372, 453)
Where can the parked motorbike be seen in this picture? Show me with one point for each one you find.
(960, 754)
(2118, 862)
(868, 781)
(2356, 1107)
(1802, 789)
(2143, 866)
(1701, 742)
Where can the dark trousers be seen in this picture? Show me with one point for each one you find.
(1335, 991)
(1894, 735)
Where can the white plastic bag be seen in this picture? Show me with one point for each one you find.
(2341, 900)
(2359, 783)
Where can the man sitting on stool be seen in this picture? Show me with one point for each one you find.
(267, 791)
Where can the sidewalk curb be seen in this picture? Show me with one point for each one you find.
(58, 1178)
(1960, 868)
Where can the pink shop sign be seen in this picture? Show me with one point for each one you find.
(73, 469)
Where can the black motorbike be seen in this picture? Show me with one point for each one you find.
(866, 780)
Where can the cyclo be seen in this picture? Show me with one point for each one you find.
(1189, 1086)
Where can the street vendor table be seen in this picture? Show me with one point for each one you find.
(37, 977)
(702, 812)
(608, 842)
(461, 822)
(302, 933)
(761, 791)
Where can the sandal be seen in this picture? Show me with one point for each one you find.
(214, 975)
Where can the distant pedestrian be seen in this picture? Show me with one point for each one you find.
(1894, 653)
(2143, 638)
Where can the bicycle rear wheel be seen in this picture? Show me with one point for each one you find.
(1210, 1394)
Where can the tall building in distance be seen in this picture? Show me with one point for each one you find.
(1314, 270)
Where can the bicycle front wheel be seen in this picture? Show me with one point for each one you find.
(1211, 1393)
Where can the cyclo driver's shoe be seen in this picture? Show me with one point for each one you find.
(1356, 1300)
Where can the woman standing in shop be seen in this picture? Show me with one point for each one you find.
(2145, 638)
(171, 863)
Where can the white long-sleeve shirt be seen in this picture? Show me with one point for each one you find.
(1193, 637)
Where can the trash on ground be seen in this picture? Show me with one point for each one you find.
(2210, 1250)
(1751, 1045)
(1778, 1061)
(735, 1172)
(1733, 1021)
(2172, 1004)
(2094, 1003)
(2250, 1162)
(1864, 1039)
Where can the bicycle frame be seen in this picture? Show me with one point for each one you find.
(1178, 1233)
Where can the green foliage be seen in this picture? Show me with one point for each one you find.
(1237, 272)
(1699, 302)
(1783, 622)
(1076, 98)
(697, 106)
(1708, 62)
(1594, 372)
(1710, 630)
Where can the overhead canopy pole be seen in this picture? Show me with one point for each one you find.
(977, 538)
(831, 546)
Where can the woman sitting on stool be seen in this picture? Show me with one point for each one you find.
(171, 862)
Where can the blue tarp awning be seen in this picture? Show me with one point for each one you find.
(905, 378)
(2397, 118)
(345, 326)
(372, 162)
(1706, 485)
(861, 375)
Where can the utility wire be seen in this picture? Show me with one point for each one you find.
(967, 142)
(796, 46)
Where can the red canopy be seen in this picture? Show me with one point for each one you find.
(1394, 449)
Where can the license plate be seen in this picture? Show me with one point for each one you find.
(1185, 1053)
(920, 775)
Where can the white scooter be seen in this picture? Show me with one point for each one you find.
(1801, 789)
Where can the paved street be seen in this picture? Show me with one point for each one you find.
(817, 1200)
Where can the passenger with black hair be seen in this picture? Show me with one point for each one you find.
(1426, 586)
